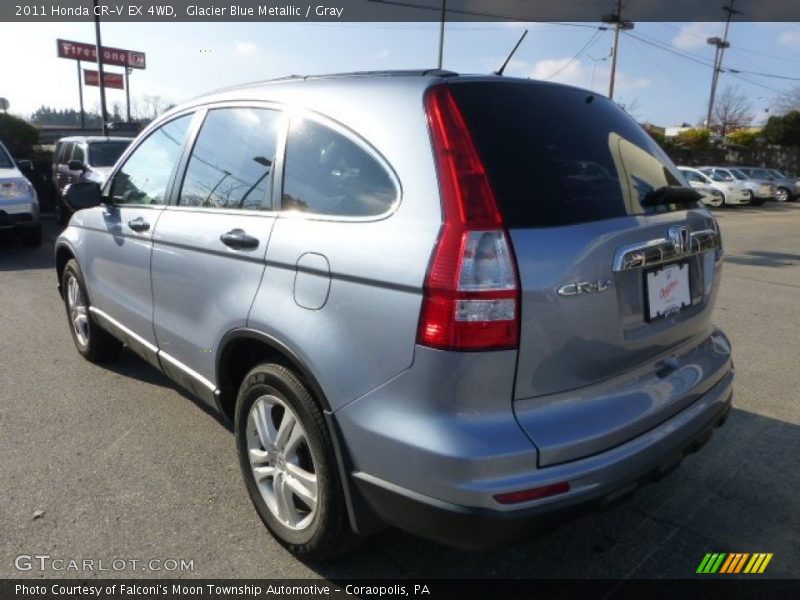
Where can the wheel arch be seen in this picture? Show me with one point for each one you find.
(64, 253)
(243, 348)
(253, 347)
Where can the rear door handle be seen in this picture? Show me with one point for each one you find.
(139, 224)
(239, 240)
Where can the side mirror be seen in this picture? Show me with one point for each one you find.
(25, 165)
(83, 194)
(76, 165)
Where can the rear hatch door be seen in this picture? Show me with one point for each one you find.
(609, 284)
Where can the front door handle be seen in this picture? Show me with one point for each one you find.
(239, 240)
(139, 224)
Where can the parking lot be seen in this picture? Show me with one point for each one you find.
(115, 462)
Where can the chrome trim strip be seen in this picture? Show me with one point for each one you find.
(160, 353)
(124, 329)
(660, 251)
(193, 374)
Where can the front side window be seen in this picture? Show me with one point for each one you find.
(232, 161)
(144, 177)
(66, 152)
(78, 153)
(326, 173)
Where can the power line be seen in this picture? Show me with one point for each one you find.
(692, 58)
(578, 54)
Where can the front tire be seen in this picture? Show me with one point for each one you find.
(288, 463)
(92, 341)
(782, 195)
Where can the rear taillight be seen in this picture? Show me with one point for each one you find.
(471, 292)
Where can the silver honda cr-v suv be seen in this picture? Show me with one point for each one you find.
(460, 305)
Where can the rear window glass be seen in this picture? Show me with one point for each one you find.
(105, 154)
(559, 156)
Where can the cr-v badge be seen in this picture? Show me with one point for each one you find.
(584, 287)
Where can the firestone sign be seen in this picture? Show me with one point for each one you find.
(111, 56)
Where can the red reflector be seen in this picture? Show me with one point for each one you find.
(533, 493)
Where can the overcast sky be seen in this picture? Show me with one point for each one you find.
(187, 59)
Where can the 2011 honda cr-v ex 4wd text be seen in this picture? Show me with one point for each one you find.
(459, 305)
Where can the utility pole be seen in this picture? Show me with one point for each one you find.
(720, 45)
(128, 72)
(101, 75)
(80, 95)
(619, 25)
(441, 32)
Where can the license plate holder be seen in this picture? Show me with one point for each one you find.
(667, 290)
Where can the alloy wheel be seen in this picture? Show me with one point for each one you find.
(281, 462)
(78, 311)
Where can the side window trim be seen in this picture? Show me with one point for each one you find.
(191, 140)
(106, 190)
(174, 187)
(356, 139)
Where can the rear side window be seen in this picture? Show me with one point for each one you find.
(105, 154)
(326, 173)
(232, 160)
(559, 156)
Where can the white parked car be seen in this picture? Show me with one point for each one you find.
(761, 189)
(733, 192)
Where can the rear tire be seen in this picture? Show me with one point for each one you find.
(32, 237)
(288, 464)
(92, 341)
(783, 195)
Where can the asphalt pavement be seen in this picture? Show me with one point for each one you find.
(113, 462)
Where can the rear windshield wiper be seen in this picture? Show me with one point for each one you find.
(671, 194)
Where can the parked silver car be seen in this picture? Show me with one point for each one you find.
(786, 188)
(19, 204)
(764, 185)
(453, 304)
(760, 190)
(733, 192)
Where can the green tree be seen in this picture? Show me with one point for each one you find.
(18, 135)
(785, 130)
(694, 139)
(744, 137)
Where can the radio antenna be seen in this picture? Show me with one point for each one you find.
(505, 64)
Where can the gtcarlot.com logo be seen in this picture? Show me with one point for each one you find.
(734, 562)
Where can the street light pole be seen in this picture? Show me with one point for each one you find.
(594, 65)
(720, 45)
(101, 76)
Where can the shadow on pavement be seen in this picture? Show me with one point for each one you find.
(14, 256)
(130, 365)
(764, 259)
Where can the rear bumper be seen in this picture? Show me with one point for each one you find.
(595, 482)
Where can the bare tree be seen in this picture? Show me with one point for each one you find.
(732, 111)
(787, 101)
